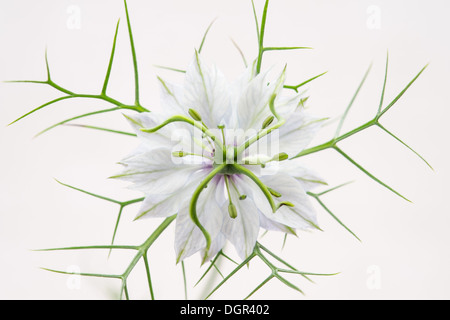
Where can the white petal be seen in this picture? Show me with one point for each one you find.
(155, 172)
(291, 138)
(207, 92)
(298, 131)
(163, 138)
(159, 206)
(308, 178)
(217, 244)
(164, 205)
(287, 102)
(172, 99)
(301, 216)
(256, 159)
(253, 104)
(243, 230)
(271, 225)
(188, 237)
(238, 89)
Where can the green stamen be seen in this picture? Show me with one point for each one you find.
(231, 207)
(232, 211)
(180, 118)
(274, 193)
(262, 186)
(224, 150)
(193, 206)
(285, 203)
(195, 115)
(267, 122)
(241, 196)
(280, 157)
(264, 132)
(179, 154)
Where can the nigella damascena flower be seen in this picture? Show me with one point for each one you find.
(217, 155)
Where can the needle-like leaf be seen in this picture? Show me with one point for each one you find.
(100, 129)
(77, 117)
(316, 196)
(296, 87)
(259, 286)
(98, 275)
(133, 53)
(256, 21)
(402, 92)
(240, 52)
(204, 36)
(41, 107)
(384, 84)
(169, 68)
(338, 130)
(396, 138)
(108, 72)
(233, 272)
(89, 193)
(91, 247)
(284, 48)
(368, 173)
(149, 279)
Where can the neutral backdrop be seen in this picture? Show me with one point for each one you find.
(403, 252)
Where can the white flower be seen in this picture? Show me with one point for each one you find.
(216, 155)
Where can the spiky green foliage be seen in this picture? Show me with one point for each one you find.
(280, 266)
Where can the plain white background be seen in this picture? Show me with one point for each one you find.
(404, 249)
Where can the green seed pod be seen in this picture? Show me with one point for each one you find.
(195, 115)
(179, 154)
(286, 203)
(280, 157)
(267, 122)
(232, 211)
(274, 193)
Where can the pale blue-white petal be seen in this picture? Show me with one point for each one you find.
(308, 178)
(157, 172)
(172, 99)
(301, 216)
(164, 205)
(217, 244)
(271, 225)
(253, 103)
(243, 230)
(206, 90)
(169, 136)
(298, 131)
(291, 138)
(188, 237)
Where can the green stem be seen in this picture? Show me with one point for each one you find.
(332, 143)
(184, 280)
(243, 263)
(261, 38)
(368, 173)
(149, 279)
(193, 205)
(133, 53)
(180, 118)
(111, 59)
(264, 132)
(262, 186)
